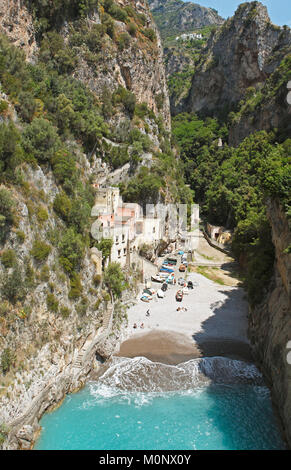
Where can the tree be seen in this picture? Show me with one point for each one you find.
(41, 140)
(114, 279)
(6, 213)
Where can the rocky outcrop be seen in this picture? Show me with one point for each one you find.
(139, 68)
(66, 375)
(176, 17)
(17, 23)
(270, 322)
(241, 54)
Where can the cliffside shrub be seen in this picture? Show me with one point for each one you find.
(71, 249)
(114, 279)
(10, 151)
(7, 360)
(41, 140)
(3, 433)
(63, 206)
(20, 236)
(40, 250)
(12, 285)
(52, 303)
(8, 258)
(76, 287)
(6, 212)
(64, 312)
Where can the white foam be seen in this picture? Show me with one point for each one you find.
(137, 381)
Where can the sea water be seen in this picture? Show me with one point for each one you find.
(210, 403)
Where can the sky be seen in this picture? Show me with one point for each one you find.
(279, 10)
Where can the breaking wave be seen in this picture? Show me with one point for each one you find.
(142, 376)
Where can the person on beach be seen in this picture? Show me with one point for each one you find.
(135, 325)
(148, 313)
(142, 325)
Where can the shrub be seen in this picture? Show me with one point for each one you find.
(6, 213)
(150, 34)
(7, 360)
(45, 273)
(3, 107)
(127, 98)
(109, 25)
(3, 433)
(12, 285)
(20, 236)
(76, 287)
(41, 140)
(123, 41)
(82, 307)
(63, 206)
(132, 29)
(42, 215)
(97, 279)
(65, 312)
(29, 275)
(8, 258)
(64, 166)
(40, 250)
(114, 279)
(52, 303)
(10, 150)
(71, 248)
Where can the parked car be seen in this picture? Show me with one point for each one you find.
(164, 287)
(182, 268)
(179, 296)
(190, 285)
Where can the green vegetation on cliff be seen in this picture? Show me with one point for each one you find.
(232, 185)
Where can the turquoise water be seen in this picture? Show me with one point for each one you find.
(209, 415)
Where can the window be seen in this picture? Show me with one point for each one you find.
(119, 253)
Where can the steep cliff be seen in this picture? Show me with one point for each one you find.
(243, 53)
(181, 56)
(177, 17)
(83, 100)
(270, 322)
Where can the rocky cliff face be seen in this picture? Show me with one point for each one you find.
(16, 22)
(270, 323)
(176, 17)
(49, 335)
(241, 54)
(139, 68)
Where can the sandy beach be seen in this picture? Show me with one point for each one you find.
(215, 324)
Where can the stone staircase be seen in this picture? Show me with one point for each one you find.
(107, 317)
(78, 364)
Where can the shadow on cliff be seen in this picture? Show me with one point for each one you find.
(221, 334)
